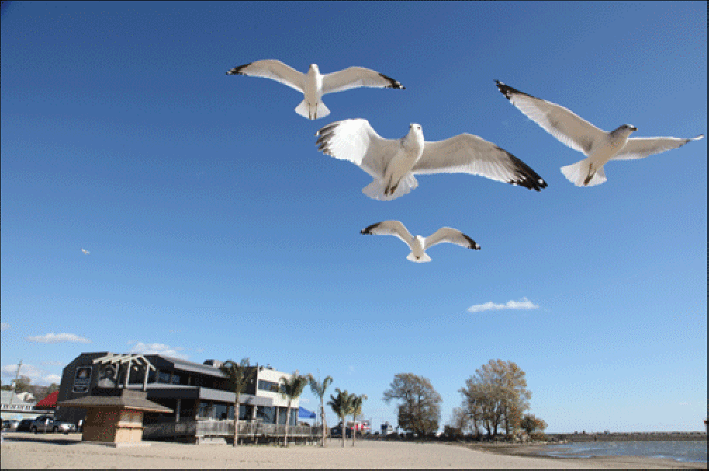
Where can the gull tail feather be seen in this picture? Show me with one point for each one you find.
(319, 110)
(578, 174)
(424, 258)
(375, 190)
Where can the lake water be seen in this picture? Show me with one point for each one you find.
(695, 451)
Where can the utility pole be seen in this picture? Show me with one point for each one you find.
(14, 383)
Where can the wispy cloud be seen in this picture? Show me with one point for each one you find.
(36, 375)
(158, 348)
(4, 326)
(52, 363)
(490, 306)
(57, 338)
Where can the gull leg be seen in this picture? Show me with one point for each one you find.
(591, 173)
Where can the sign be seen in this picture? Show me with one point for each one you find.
(82, 379)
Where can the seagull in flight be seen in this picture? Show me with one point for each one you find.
(597, 145)
(314, 85)
(418, 244)
(85, 251)
(392, 163)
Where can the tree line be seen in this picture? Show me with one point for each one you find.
(494, 400)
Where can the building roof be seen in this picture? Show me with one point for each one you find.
(128, 400)
(49, 401)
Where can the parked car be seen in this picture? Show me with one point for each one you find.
(10, 425)
(25, 425)
(45, 423)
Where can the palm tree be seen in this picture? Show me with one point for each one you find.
(238, 375)
(292, 389)
(319, 389)
(355, 411)
(342, 406)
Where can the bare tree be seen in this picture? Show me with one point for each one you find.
(420, 406)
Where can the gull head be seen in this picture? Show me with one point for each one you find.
(415, 134)
(624, 130)
(314, 68)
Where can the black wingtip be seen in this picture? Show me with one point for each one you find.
(368, 230)
(238, 70)
(393, 83)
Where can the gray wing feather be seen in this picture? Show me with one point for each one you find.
(453, 236)
(394, 228)
(560, 122)
(639, 147)
(354, 77)
(274, 70)
(466, 153)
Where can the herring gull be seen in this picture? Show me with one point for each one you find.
(392, 163)
(597, 145)
(314, 85)
(418, 244)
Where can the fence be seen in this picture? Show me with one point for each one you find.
(252, 431)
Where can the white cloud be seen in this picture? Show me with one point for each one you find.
(53, 379)
(56, 338)
(36, 375)
(52, 363)
(4, 326)
(490, 306)
(158, 348)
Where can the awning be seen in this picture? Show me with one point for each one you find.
(49, 401)
(305, 414)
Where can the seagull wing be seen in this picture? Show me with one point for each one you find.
(453, 236)
(466, 153)
(272, 69)
(394, 228)
(355, 140)
(560, 122)
(354, 77)
(639, 147)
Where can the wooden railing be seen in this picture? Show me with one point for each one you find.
(225, 428)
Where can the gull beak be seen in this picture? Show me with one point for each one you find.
(633, 128)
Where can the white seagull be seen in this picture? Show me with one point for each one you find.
(599, 146)
(419, 244)
(313, 85)
(85, 251)
(392, 163)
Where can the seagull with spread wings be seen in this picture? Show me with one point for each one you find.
(392, 163)
(418, 244)
(86, 252)
(597, 145)
(314, 85)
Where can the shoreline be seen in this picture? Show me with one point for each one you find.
(24, 450)
(536, 450)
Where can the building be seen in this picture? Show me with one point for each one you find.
(14, 406)
(194, 392)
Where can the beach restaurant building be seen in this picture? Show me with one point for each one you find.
(196, 393)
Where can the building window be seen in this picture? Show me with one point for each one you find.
(221, 411)
(163, 377)
(267, 414)
(175, 379)
(270, 386)
(205, 410)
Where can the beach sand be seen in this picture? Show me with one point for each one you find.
(24, 450)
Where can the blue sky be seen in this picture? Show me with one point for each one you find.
(217, 230)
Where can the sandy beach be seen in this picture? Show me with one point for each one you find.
(23, 450)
